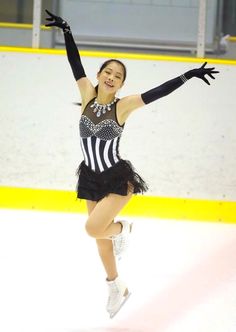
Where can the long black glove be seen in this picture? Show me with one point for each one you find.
(71, 48)
(169, 86)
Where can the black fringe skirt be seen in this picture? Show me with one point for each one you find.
(118, 179)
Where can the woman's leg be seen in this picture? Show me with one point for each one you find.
(90, 206)
(103, 214)
(100, 223)
(105, 250)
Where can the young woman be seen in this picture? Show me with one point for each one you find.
(106, 181)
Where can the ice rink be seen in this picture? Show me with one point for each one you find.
(182, 276)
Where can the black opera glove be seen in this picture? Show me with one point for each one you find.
(171, 85)
(201, 72)
(57, 22)
(71, 48)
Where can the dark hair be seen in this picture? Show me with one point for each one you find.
(106, 63)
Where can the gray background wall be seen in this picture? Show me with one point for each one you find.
(152, 25)
(138, 21)
(183, 145)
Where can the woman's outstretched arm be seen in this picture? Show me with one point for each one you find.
(171, 85)
(130, 103)
(85, 86)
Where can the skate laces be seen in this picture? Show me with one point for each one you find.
(121, 241)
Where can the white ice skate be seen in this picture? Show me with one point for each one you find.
(121, 241)
(118, 295)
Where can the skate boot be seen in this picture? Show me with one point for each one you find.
(118, 295)
(121, 241)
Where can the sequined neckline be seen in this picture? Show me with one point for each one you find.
(101, 109)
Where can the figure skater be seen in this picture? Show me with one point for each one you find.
(106, 181)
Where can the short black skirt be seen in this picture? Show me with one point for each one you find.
(118, 179)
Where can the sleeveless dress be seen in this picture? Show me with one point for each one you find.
(103, 171)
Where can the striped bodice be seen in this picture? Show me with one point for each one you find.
(99, 139)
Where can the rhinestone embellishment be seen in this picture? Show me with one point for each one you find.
(106, 129)
(100, 109)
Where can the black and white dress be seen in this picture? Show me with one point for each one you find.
(103, 171)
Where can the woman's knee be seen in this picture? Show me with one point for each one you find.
(93, 229)
(90, 229)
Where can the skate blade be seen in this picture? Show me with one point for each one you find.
(113, 314)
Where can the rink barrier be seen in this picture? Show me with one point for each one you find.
(134, 56)
(232, 38)
(27, 26)
(139, 206)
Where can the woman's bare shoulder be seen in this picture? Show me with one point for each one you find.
(86, 88)
(86, 102)
(126, 105)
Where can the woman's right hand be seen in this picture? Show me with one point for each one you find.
(56, 21)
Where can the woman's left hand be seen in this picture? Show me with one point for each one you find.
(201, 72)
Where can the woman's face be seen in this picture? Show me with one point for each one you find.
(111, 78)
